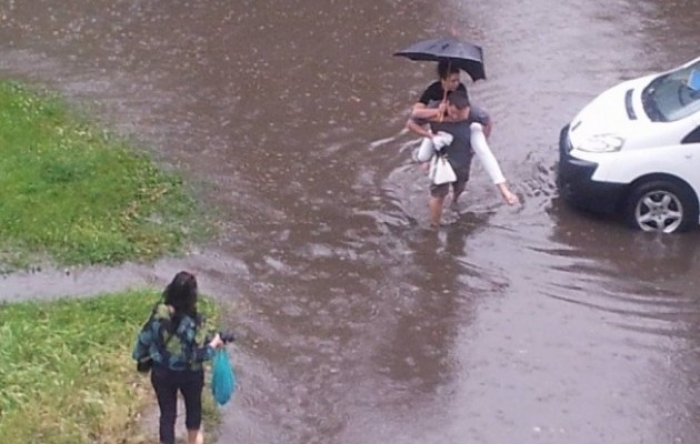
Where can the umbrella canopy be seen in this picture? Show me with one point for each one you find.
(464, 55)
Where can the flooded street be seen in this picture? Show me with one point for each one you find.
(533, 324)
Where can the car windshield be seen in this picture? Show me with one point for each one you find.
(673, 96)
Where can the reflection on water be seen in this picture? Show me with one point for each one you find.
(533, 323)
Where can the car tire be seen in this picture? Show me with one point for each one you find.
(661, 206)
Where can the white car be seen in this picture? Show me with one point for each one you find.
(635, 151)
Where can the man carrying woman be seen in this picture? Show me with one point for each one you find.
(455, 117)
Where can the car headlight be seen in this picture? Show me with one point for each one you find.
(601, 143)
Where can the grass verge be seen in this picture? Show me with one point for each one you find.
(78, 194)
(66, 371)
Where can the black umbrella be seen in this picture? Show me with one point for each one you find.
(464, 55)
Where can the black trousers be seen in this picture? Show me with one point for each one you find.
(166, 384)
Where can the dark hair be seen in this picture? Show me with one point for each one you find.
(445, 68)
(181, 294)
(459, 99)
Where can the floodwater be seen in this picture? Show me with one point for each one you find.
(533, 324)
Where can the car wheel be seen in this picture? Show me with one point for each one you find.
(661, 206)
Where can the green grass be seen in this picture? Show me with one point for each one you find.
(66, 374)
(77, 194)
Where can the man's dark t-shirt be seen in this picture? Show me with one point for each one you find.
(459, 152)
(434, 92)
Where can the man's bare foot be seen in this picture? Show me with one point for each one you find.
(435, 227)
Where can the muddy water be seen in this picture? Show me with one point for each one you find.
(532, 324)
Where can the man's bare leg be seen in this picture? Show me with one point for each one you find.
(456, 193)
(435, 205)
(455, 204)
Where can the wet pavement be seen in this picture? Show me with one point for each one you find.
(533, 324)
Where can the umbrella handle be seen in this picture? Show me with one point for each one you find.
(441, 115)
(444, 91)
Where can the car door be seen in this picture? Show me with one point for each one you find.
(690, 150)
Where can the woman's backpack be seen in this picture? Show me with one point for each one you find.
(145, 362)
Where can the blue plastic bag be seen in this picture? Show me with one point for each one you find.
(223, 379)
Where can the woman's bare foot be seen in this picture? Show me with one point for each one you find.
(510, 197)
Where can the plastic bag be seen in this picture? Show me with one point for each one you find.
(441, 171)
(223, 379)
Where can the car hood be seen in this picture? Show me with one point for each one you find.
(619, 112)
(616, 111)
